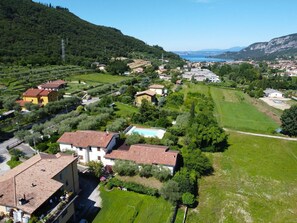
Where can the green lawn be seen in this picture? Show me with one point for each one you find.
(235, 110)
(123, 206)
(254, 181)
(125, 110)
(101, 78)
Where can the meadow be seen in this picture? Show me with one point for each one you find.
(236, 110)
(123, 206)
(254, 181)
(100, 78)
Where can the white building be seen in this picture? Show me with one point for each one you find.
(159, 89)
(271, 93)
(201, 75)
(89, 145)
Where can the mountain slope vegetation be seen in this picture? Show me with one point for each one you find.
(32, 33)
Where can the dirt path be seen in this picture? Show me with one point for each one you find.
(261, 135)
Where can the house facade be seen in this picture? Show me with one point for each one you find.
(271, 93)
(159, 89)
(148, 95)
(89, 145)
(146, 154)
(45, 186)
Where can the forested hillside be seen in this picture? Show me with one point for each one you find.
(32, 33)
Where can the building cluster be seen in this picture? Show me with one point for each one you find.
(150, 95)
(43, 94)
(200, 74)
(287, 67)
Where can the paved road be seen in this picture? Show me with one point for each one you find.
(262, 135)
(4, 154)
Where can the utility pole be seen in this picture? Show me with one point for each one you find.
(63, 50)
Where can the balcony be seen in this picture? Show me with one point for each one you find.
(54, 214)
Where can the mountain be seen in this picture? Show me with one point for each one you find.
(284, 47)
(32, 33)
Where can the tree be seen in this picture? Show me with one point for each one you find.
(185, 180)
(188, 199)
(170, 191)
(125, 168)
(289, 121)
(95, 168)
(194, 159)
(133, 139)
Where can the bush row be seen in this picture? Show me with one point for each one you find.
(130, 186)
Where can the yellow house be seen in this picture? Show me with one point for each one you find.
(38, 96)
(148, 95)
(45, 186)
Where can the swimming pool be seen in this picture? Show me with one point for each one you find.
(147, 132)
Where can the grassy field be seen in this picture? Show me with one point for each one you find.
(236, 110)
(101, 78)
(123, 206)
(254, 181)
(125, 110)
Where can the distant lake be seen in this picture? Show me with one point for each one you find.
(202, 58)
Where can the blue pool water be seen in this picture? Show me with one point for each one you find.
(147, 132)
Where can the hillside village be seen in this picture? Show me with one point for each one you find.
(137, 141)
(115, 130)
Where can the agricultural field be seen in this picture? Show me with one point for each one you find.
(254, 181)
(123, 206)
(15, 80)
(236, 110)
(99, 78)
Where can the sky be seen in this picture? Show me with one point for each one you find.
(183, 25)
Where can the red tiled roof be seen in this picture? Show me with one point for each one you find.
(156, 86)
(39, 171)
(86, 138)
(22, 102)
(45, 93)
(53, 84)
(148, 92)
(32, 92)
(146, 154)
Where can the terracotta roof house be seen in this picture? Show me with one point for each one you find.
(53, 85)
(159, 89)
(147, 154)
(148, 95)
(38, 97)
(38, 186)
(89, 145)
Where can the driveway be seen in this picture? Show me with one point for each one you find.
(89, 202)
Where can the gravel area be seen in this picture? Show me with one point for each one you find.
(279, 103)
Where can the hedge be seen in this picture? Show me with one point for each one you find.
(138, 188)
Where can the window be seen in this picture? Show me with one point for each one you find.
(99, 158)
(66, 183)
(81, 157)
(90, 148)
(80, 149)
(71, 146)
(61, 176)
(98, 149)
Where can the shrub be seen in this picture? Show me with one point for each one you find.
(161, 173)
(138, 188)
(125, 168)
(146, 171)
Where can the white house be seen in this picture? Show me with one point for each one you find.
(159, 89)
(89, 145)
(271, 93)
